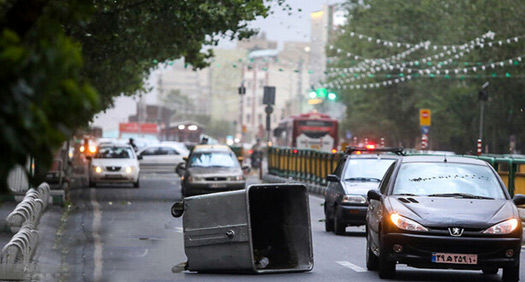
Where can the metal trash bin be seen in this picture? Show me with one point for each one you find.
(261, 229)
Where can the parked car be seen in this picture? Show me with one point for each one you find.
(209, 169)
(443, 212)
(114, 164)
(163, 157)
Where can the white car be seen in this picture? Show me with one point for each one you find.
(163, 157)
(114, 164)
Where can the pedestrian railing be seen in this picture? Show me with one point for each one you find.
(312, 166)
(23, 221)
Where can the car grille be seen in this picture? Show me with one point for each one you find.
(215, 178)
(113, 168)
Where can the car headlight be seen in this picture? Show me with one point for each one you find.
(129, 170)
(236, 178)
(405, 223)
(502, 228)
(354, 199)
(195, 179)
(98, 169)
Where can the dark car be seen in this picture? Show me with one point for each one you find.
(443, 212)
(209, 169)
(345, 200)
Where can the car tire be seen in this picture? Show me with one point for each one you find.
(339, 227)
(511, 273)
(386, 267)
(136, 184)
(328, 223)
(371, 259)
(490, 270)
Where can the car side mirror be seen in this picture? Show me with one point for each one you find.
(519, 199)
(332, 178)
(374, 195)
(177, 209)
(180, 169)
(139, 157)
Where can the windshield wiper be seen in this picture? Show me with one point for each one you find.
(363, 179)
(461, 195)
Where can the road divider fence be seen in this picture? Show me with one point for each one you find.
(15, 256)
(312, 166)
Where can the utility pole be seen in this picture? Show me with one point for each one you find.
(269, 101)
(242, 92)
(483, 96)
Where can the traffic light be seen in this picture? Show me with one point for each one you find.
(321, 92)
(332, 96)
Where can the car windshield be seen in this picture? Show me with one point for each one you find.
(114, 153)
(366, 169)
(448, 180)
(213, 159)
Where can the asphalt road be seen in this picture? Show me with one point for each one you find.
(120, 233)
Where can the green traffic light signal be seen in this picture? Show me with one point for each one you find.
(321, 92)
(332, 96)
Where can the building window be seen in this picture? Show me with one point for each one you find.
(248, 118)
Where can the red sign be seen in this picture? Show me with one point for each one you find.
(134, 127)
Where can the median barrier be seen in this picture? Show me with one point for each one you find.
(264, 228)
(15, 256)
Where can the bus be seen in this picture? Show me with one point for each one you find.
(308, 131)
(187, 132)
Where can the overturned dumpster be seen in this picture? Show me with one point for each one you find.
(262, 229)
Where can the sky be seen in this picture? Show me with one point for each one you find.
(280, 26)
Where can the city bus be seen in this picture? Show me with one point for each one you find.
(308, 131)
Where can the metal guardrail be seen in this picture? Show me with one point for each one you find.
(312, 166)
(15, 256)
(309, 166)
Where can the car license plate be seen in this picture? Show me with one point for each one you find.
(113, 176)
(216, 185)
(454, 258)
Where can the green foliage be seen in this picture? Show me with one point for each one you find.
(63, 61)
(392, 112)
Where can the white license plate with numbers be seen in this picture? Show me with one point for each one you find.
(454, 258)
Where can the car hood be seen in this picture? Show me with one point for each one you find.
(446, 212)
(359, 188)
(214, 171)
(114, 162)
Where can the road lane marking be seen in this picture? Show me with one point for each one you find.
(95, 229)
(352, 266)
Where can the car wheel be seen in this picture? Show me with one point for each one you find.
(339, 227)
(511, 273)
(371, 258)
(490, 270)
(136, 184)
(386, 267)
(328, 223)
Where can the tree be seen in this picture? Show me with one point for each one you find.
(391, 111)
(63, 61)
